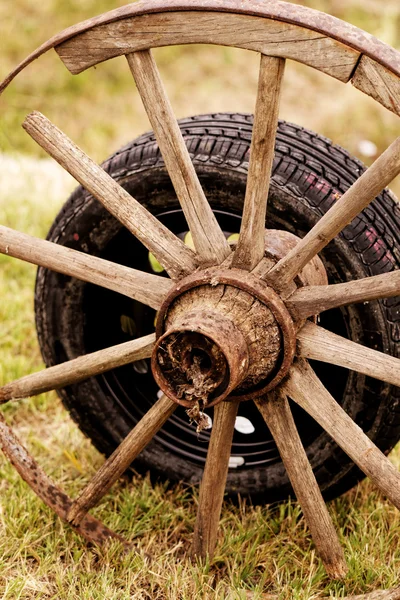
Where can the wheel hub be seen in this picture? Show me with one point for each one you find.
(225, 332)
(222, 332)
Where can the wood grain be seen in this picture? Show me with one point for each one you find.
(304, 387)
(378, 82)
(308, 301)
(357, 197)
(250, 247)
(208, 238)
(277, 244)
(277, 414)
(78, 369)
(319, 344)
(277, 11)
(169, 250)
(214, 479)
(121, 458)
(144, 287)
(268, 36)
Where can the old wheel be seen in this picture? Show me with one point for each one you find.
(235, 322)
(106, 407)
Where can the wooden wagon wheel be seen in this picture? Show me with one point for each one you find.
(234, 322)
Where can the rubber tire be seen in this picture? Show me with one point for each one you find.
(308, 172)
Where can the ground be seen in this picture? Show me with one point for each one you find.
(261, 549)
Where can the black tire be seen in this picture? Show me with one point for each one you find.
(74, 318)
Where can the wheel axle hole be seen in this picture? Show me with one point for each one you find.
(201, 359)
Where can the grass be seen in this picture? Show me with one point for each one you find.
(262, 549)
(198, 79)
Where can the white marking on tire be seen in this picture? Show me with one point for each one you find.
(235, 462)
(243, 425)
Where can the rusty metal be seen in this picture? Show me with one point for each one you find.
(91, 529)
(274, 9)
(254, 286)
(217, 338)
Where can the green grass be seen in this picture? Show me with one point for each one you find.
(261, 549)
(198, 79)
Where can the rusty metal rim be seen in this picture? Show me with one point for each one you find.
(278, 10)
(255, 287)
(90, 528)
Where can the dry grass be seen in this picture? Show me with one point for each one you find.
(262, 549)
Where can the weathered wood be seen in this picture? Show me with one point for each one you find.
(277, 414)
(254, 308)
(304, 387)
(78, 369)
(309, 301)
(121, 458)
(247, 343)
(144, 287)
(201, 358)
(357, 197)
(277, 244)
(169, 250)
(250, 247)
(378, 82)
(91, 529)
(268, 36)
(208, 238)
(278, 11)
(319, 344)
(214, 479)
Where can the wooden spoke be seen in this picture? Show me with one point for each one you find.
(78, 369)
(277, 414)
(312, 300)
(361, 193)
(144, 287)
(251, 245)
(121, 458)
(214, 479)
(208, 237)
(304, 387)
(319, 344)
(169, 250)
